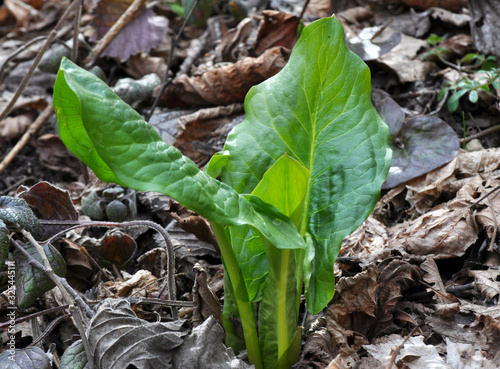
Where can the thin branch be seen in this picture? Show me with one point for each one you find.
(130, 224)
(38, 57)
(34, 315)
(33, 128)
(46, 267)
(125, 19)
(76, 30)
(167, 81)
(49, 328)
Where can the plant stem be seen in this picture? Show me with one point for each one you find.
(233, 270)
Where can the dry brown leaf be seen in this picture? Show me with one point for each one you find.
(453, 5)
(319, 9)
(442, 233)
(486, 282)
(54, 155)
(14, 127)
(141, 284)
(433, 277)
(402, 60)
(200, 127)
(225, 85)
(277, 29)
(394, 278)
(367, 243)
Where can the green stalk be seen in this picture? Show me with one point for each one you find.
(245, 310)
(279, 310)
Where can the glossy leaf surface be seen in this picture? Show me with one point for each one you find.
(318, 111)
(120, 147)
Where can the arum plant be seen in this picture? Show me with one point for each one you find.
(299, 174)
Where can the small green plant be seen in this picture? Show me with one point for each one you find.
(298, 175)
(470, 87)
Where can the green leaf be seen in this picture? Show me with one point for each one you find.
(31, 282)
(318, 111)
(74, 357)
(119, 146)
(473, 96)
(454, 100)
(14, 211)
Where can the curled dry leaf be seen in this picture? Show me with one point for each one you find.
(444, 232)
(403, 60)
(225, 85)
(14, 127)
(277, 29)
(55, 156)
(198, 128)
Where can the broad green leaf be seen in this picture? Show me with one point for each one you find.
(119, 146)
(31, 282)
(282, 186)
(318, 111)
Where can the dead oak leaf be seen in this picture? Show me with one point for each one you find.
(225, 85)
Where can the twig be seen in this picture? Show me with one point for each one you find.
(125, 19)
(34, 315)
(167, 81)
(38, 57)
(130, 224)
(306, 3)
(47, 269)
(49, 328)
(24, 47)
(34, 127)
(76, 30)
(395, 352)
(486, 132)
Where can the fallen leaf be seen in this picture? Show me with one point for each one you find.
(145, 32)
(225, 85)
(402, 60)
(277, 29)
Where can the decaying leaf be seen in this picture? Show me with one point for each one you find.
(116, 248)
(145, 32)
(277, 29)
(118, 338)
(419, 144)
(441, 233)
(14, 127)
(29, 358)
(51, 203)
(225, 85)
(31, 282)
(413, 353)
(55, 156)
(402, 60)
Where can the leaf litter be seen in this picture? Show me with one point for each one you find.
(417, 282)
